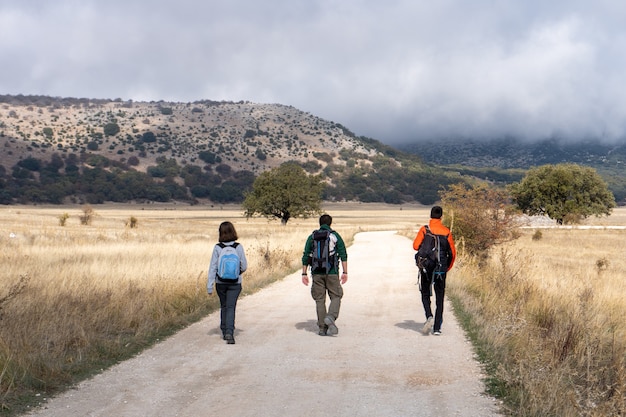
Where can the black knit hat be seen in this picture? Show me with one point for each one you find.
(436, 212)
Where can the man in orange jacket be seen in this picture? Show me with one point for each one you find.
(433, 274)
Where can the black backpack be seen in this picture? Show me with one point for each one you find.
(323, 256)
(434, 253)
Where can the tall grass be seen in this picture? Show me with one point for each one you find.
(78, 296)
(549, 312)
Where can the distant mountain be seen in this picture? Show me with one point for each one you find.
(507, 159)
(511, 153)
(89, 150)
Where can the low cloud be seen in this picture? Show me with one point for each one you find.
(398, 71)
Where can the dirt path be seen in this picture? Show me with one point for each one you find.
(379, 364)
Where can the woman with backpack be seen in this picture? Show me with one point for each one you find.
(228, 262)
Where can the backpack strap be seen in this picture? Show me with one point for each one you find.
(222, 245)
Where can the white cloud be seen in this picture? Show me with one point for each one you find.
(396, 70)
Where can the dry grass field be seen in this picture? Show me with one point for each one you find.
(77, 297)
(550, 307)
(546, 311)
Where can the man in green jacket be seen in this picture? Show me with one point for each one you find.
(325, 273)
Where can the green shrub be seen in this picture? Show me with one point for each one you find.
(63, 219)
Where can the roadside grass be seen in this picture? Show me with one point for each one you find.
(545, 313)
(77, 297)
(546, 316)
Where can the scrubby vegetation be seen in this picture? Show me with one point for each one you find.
(76, 298)
(93, 151)
(546, 316)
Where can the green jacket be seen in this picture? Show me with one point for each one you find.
(340, 250)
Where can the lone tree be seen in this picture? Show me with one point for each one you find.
(284, 192)
(564, 192)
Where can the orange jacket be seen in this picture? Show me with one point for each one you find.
(437, 228)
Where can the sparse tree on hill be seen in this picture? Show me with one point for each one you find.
(111, 129)
(564, 192)
(284, 192)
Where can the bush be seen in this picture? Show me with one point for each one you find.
(30, 163)
(148, 137)
(480, 217)
(87, 217)
(63, 219)
(111, 129)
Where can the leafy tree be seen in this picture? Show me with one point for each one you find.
(48, 132)
(111, 129)
(148, 137)
(209, 157)
(478, 216)
(284, 192)
(563, 192)
(30, 163)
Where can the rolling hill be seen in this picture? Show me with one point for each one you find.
(89, 150)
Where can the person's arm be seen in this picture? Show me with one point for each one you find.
(342, 252)
(243, 262)
(212, 270)
(419, 238)
(306, 254)
(452, 250)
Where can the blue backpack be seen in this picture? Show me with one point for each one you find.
(228, 263)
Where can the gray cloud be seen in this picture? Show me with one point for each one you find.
(395, 71)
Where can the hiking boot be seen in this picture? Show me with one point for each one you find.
(322, 332)
(428, 325)
(332, 328)
(229, 339)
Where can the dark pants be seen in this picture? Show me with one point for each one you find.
(438, 281)
(228, 294)
(321, 285)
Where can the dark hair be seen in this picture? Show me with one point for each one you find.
(436, 212)
(326, 219)
(227, 232)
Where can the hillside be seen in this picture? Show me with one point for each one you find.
(506, 160)
(512, 153)
(60, 148)
(245, 135)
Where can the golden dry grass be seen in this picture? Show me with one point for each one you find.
(76, 296)
(552, 309)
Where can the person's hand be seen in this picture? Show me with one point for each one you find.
(344, 278)
(210, 292)
(305, 279)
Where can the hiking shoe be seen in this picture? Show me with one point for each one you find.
(332, 328)
(322, 332)
(437, 332)
(229, 339)
(428, 325)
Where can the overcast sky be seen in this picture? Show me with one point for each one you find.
(393, 70)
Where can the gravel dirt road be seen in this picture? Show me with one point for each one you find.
(378, 365)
